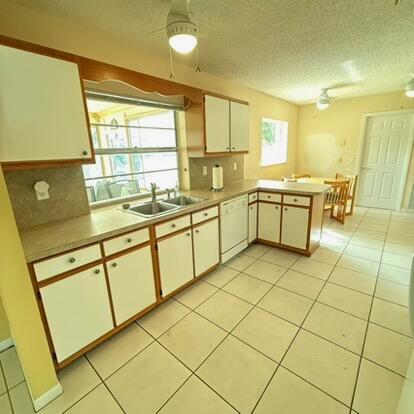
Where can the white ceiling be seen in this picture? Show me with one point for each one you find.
(286, 48)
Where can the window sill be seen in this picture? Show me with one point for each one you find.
(274, 164)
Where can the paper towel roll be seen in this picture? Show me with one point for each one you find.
(217, 177)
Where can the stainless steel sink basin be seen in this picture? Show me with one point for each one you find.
(183, 200)
(151, 209)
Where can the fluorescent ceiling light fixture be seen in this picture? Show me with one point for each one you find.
(323, 100)
(409, 89)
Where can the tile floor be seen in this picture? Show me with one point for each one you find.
(269, 332)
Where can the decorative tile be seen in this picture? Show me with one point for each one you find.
(195, 397)
(289, 394)
(266, 271)
(299, 283)
(327, 366)
(147, 381)
(285, 304)
(163, 317)
(195, 294)
(224, 310)
(238, 373)
(118, 350)
(339, 327)
(192, 339)
(266, 333)
(247, 288)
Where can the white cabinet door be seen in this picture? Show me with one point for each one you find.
(295, 227)
(77, 310)
(42, 113)
(269, 222)
(252, 222)
(175, 256)
(131, 279)
(217, 124)
(206, 246)
(239, 126)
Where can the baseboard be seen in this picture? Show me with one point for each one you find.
(47, 397)
(6, 343)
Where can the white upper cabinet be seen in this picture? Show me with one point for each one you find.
(226, 125)
(42, 111)
(217, 129)
(239, 126)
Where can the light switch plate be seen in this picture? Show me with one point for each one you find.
(204, 170)
(235, 166)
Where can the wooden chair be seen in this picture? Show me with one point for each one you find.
(337, 197)
(353, 181)
(304, 175)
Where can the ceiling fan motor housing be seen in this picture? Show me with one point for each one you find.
(177, 24)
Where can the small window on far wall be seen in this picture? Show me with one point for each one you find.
(274, 142)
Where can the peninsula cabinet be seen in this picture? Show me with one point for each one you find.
(295, 227)
(131, 280)
(206, 246)
(269, 222)
(175, 256)
(43, 118)
(78, 310)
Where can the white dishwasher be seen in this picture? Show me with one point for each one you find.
(234, 227)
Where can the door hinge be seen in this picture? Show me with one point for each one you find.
(161, 292)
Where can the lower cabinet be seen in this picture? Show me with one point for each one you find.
(206, 246)
(175, 255)
(269, 222)
(295, 227)
(77, 310)
(131, 279)
(252, 222)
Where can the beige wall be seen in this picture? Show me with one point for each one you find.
(4, 324)
(22, 23)
(328, 140)
(20, 304)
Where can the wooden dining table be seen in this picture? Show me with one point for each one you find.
(317, 180)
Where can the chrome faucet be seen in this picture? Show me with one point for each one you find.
(153, 192)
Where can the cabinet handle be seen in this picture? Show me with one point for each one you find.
(205, 214)
(85, 152)
(72, 260)
(251, 207)
(114, 264)
(97, 271)
(268, 196)
(233, 147)
(129, 240)
(277, 207)
(188, 234)
(197, 231)
(173, 226)
(286, 209)
(295, 200)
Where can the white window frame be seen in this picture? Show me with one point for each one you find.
(283, 145)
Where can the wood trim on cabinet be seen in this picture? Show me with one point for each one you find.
(125, 251)
(194, 226)
(108, 287)
(229, 98)
(155, 263)
(167, 236)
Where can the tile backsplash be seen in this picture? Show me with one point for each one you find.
(67, 195)
(198, 180)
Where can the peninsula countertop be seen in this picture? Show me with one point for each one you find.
(56, 237)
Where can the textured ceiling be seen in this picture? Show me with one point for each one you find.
(286, 48)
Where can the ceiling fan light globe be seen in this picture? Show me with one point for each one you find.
(183, 43)
(321, 105)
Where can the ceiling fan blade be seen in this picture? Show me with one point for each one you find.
(155, 31)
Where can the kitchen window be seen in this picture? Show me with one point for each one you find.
(134, 146)
(274, 142)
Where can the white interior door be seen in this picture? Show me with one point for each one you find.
(386, 146)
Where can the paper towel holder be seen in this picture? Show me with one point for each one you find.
(215, 189)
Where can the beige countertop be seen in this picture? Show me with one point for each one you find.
(59, 236)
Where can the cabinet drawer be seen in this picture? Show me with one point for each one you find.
(172, 225)
(67, 261)
(252, 197)
(296, 200)
(204, 215)
(126, 241)
(276, 198)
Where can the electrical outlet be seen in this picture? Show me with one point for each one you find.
(235, 166)
(204, 170)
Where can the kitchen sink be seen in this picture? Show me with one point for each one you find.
(183, 200)
(151, 209)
